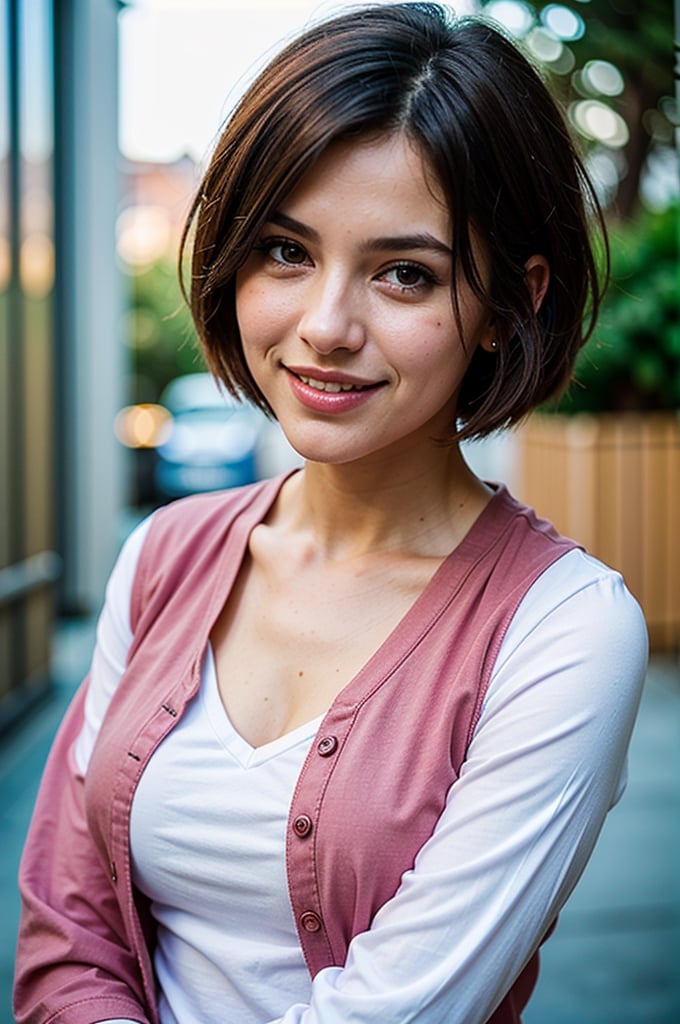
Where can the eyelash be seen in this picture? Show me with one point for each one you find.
(267, 246)
(428, 279)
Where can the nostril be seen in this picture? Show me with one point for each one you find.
(325, 333)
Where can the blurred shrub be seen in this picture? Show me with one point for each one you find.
(632, 361)
(158, 330)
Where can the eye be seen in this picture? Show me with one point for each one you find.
(409, 276)
(284, 250)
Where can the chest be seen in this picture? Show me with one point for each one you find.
(207, 839)
(291, 636)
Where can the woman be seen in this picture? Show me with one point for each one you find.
(350, 735)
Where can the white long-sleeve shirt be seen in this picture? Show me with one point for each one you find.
(546, 763)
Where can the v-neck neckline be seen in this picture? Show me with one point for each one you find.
(243, 752)
(408, 631)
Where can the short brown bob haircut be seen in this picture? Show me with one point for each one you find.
(498, 146)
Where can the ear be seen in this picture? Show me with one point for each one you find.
(537, 277)
(489, 341)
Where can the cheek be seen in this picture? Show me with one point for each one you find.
(438, 363)
(248, 307)
(434, 346)
(260, 314)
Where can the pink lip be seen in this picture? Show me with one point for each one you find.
(330, 401)
(331, 376)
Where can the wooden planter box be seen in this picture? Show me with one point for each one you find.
(612, 482)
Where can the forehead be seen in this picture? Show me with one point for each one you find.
(387, 176)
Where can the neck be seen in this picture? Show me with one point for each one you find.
(423, 509)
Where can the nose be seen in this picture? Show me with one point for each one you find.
(331, 318)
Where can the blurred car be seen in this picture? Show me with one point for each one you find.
(215, 441)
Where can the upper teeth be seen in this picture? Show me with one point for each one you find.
(326, 385)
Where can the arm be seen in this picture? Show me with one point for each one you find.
(73, 962)
(545, 765)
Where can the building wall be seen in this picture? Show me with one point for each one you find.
(28, 563)
(61, 372)
(90, 354)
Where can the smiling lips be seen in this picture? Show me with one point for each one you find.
(330, 395)
(333, 386)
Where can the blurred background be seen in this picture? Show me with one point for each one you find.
(108, 111)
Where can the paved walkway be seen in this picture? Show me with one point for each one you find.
(615, 957)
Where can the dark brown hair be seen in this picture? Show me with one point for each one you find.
(499, 147)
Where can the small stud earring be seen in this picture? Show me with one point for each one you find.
(493, 344)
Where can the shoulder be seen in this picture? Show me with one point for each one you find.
(581, 590)
(198, 510)
(517, 542)
(180, 529)
(570, 586)
(188, 539)
(579, 626)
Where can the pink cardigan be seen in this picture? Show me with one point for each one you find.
(386, 754)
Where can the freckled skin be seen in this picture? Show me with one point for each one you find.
(329, 297)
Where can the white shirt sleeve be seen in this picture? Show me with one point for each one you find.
(546, 763)
(114, 637)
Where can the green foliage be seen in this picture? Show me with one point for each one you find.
(158, 330)
(632, 361)
(638, 41)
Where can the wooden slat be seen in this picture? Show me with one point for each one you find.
(613, 484)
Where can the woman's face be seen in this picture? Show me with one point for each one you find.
(345, 309)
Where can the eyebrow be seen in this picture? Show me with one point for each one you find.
(421, 240)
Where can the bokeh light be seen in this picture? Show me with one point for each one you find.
(36, 264)
(544, 45)
(597, 121)
(143, 426)
(602, 78)
(563, 22)
(144, 234)
(517, 17)
(606, 167)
